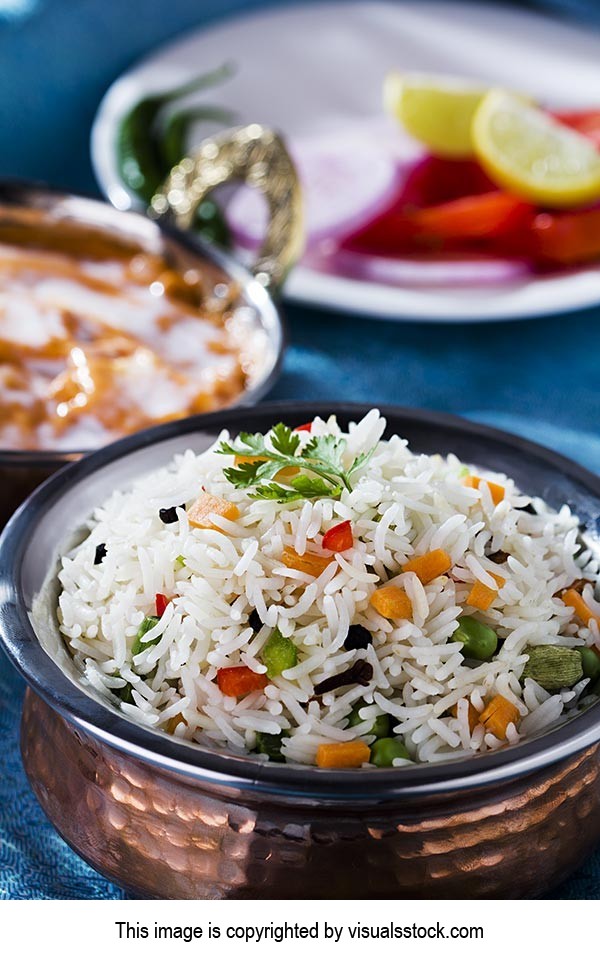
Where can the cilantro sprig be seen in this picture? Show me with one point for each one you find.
(319, 464)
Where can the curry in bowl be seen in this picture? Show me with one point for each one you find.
(104, 333)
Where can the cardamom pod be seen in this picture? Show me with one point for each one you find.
(553, 667)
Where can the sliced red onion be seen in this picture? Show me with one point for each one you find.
(407, 272)
(346, 178)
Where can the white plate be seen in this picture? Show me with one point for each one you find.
(317, 68)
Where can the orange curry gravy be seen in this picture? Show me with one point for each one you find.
(99, 338)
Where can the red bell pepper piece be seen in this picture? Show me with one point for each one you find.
(240, 681)
(586, 122)
(304, 427)
(339, 538)
(161, 603)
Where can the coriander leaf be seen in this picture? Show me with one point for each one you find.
(246, 446)
(284, 439)
(319, 463)
(275, 492)
(328, 449)
(362, 460)
(314, 487)
(300, 487)
(254, 442)
(243, 475)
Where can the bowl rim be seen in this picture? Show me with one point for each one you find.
(212, 767)
(33, 193)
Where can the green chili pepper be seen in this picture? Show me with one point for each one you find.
(173, 143)
(139, 156)
(278, 654)
(140, 645)
(270, 745)
(208, 219)
(385, 750)
(381, 725)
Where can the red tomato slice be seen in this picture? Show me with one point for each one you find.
(484, 215)
(565, 238)
(339, 538)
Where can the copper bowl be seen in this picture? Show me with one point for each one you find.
(254, 154)
(164, 818)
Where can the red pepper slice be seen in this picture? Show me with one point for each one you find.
(240, 681)
(304, 427)
(339, 538)
(161, 603)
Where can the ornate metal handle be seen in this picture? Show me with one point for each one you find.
(257, 156)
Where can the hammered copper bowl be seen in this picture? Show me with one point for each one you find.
(252, 153)
(167, 819)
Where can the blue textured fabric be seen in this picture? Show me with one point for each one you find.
(538, 378)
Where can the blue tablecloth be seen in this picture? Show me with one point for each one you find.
(537, 378)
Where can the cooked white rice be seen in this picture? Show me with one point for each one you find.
(401, 506)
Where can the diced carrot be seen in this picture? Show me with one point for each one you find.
(472, 713)
(573, 599)
(240, 681)
(496, 490)
(311, 564)
(339, 538)
(392, 602)
(343, 755)
(430, 565)
(253, 458)
(481, 596)
(207, 504)
(498, 715)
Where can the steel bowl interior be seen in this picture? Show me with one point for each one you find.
(49, 520)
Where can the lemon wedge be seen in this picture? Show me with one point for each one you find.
(532, 155)
(436, 110)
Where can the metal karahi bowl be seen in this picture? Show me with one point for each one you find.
(253, 154)
(164, 818)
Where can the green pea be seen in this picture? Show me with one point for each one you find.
(381, 725)
(385, 750)
(140, 645)
(278, 654)
(270, 745)
(479, 641)
(590, 662)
